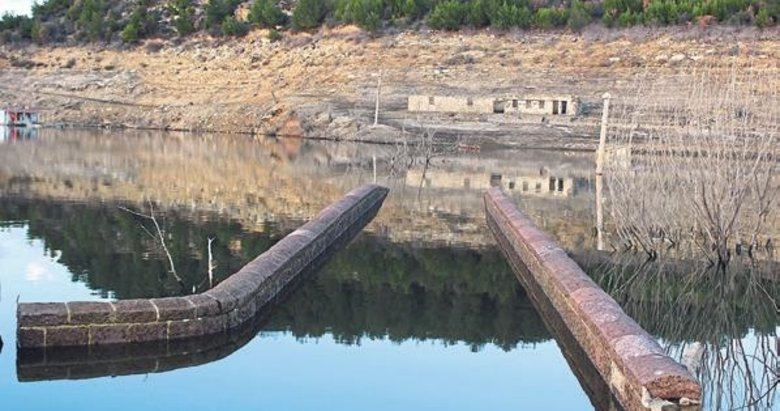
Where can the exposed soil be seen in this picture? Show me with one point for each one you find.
(327, 81)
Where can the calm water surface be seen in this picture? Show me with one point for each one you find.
(419, 312)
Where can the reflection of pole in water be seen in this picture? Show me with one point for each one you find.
(600, 175)
(599, 212)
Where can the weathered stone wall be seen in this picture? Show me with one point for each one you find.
(451, 104)
(226, 306)
(543, 105)
(631, 361)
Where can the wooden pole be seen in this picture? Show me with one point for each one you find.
(378, 92)
(603, 136)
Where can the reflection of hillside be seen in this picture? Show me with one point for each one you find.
(376, 289)
(455, 293)
(107, 249)
(256, 181)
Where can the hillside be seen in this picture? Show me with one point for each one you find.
(329, 77)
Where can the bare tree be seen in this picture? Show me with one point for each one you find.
(159, 237)
(702, 174)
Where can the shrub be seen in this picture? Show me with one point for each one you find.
(415, 9)
(763, 19)
(448, 15)
(266, 13)
(510, 15)
(232, 27)
(614, 10)
(16, 26)
(90, 20)
(219, 10)
(579, 16)
(628, 19)
(365, 13)
(183, 12)
(309, 14)
(141, 22)
(548, 17)
(130, 33)
(216, 11)
(478, 14)
(48, 9)
(274, 35)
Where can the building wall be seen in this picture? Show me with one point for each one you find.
(22, 117)
(542, 105)
(451, 104)
(533, 104)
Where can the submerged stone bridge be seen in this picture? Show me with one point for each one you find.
(229, 305)
(632, 363)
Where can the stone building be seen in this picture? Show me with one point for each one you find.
(19, 117)
(452, 104)
(565, 105)
(545, 105)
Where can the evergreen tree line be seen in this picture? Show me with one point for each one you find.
(95, 20)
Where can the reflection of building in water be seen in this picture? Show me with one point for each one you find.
(542, 184)
(17, 133)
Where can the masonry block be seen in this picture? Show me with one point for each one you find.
(135, 311)
(174, 308)
(41, 314)
(91, 312)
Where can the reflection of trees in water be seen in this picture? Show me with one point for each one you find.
(373, 288)
(104, 247)
(377, 289)
(722, 324)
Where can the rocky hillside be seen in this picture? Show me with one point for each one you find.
(329, 77)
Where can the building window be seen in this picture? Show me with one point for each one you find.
(495, 180)
(528, 104)
(514, 103)
(430, 100)
(469, 101)
(541, 103)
